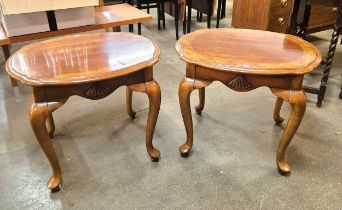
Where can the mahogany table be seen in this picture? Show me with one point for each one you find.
(244, 60)
(91, 66)
(112, 16)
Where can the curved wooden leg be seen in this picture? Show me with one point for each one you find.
(39, 114)
(297, 100)
(276, 115)
(199, 108)
(154, 95)
(129, 107)
(50, 123)
(186, 86)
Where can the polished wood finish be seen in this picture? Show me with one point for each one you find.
(91, 66)
(107, 17)
(297, 56)
(322, 18)
(271, 15)
(244, 60)
(89, 57)
(275, 15)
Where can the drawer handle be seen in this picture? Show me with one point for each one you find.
(334, 9)
(281, 21)
(283, 3)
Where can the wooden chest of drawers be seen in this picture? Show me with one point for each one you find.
(274, 15)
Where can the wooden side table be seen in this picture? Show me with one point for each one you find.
(244, 60)
(112, 16)
(91, 66)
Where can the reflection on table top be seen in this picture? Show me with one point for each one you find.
(82, 58)
(248, 51)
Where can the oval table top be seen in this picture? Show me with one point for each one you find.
(248, 51)
(82, 58)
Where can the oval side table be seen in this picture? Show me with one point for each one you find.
(244, 60)
(91, 66)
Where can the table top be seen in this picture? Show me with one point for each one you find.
(82, 58)
(248, 51)
(106, 17)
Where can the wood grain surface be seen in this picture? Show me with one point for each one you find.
(82, 58)
(248, 51)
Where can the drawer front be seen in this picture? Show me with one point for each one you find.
(280, 13)
(322, 18)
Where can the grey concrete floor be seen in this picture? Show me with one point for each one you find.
(232, 166)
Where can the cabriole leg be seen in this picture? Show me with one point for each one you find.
(50, 123)
(129, 107)
(297, 100)
(154, 95)
(199, 108)
(186, 86)
(276, 115)
(39, 114)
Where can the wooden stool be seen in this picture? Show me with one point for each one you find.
(91, 66)
(244, 60)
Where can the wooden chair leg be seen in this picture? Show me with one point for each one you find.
(189, 15)
(163, 12)
(176, 18)
(340, 96)
(131, 28)
(199, 108)
(223, 13)
(14, 83)
(218, 15)
(158, 14)
(210, 5)
(184, 22)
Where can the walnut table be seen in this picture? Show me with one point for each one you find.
(244, 60)
(91, 66)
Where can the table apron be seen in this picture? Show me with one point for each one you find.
(91, 90)
(246, 82)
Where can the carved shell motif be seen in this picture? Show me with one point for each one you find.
(97, 90)
(240, 82)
